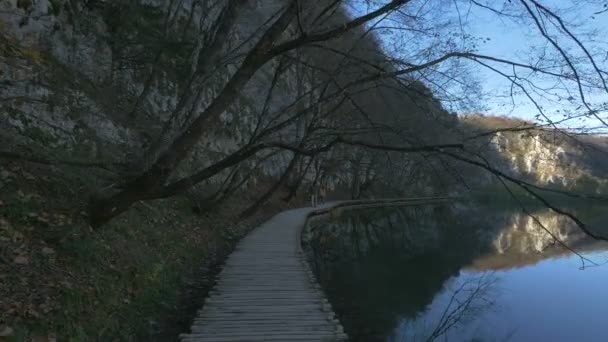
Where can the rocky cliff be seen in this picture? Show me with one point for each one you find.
(545, 156)
(104, 82)
(92, 91)
(99, 80)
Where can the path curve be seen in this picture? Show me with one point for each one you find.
(266, 290)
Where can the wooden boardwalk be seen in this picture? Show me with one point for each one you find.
(266, 290)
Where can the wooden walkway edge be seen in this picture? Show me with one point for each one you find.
(267, 291)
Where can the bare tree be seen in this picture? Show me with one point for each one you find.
(372, 83)
(151, 183)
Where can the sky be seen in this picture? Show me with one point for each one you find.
(511, 41)
(514, 41)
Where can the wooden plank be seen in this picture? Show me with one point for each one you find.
(266, 291)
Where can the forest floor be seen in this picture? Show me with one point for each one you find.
(140, 277)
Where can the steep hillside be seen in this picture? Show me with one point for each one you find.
(82, 79)
(544, 155)
(104, 83)
(90, 94)
(139, 137)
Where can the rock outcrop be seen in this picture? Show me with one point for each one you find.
(102, 81)
(553, 158)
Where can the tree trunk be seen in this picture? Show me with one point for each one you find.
(293, 190)
(262, 200)
(102, 210)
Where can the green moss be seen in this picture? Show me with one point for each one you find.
(124, 282)
(129, 273)
(126, 274)
(19, 211)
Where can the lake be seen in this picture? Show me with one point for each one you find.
(454, 273)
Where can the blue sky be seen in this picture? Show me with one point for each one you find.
(512, 40)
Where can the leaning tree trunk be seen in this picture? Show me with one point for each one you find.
(102, 208)
(262, 200)
(293, 189)
(148, 183)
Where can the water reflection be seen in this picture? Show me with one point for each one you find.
(442, 273)
(465, 300)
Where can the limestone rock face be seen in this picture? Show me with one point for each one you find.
(102, 80)
(546, 157)
(531, 154)
(88, 78)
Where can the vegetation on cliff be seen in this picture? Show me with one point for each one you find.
(119, 115)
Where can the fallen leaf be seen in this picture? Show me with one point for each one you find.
(17, 236)
(6, 331)
(42, 219)
(48, 250)
(44, 308)
(21, 260)
(33, 313)
(40, 338)
(4, 174)
(28, 176)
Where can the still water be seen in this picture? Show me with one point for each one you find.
(439, 273)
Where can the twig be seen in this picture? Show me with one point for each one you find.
(111, 167)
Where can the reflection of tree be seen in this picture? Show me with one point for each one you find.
(467, 302)
(377, 266)
(382, 266)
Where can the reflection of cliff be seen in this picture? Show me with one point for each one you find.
(524, 234)
(381, 266)
(523, 241)
(388, 264)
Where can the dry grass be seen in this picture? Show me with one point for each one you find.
(139, 278)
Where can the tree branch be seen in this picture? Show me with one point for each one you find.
(111, 167)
